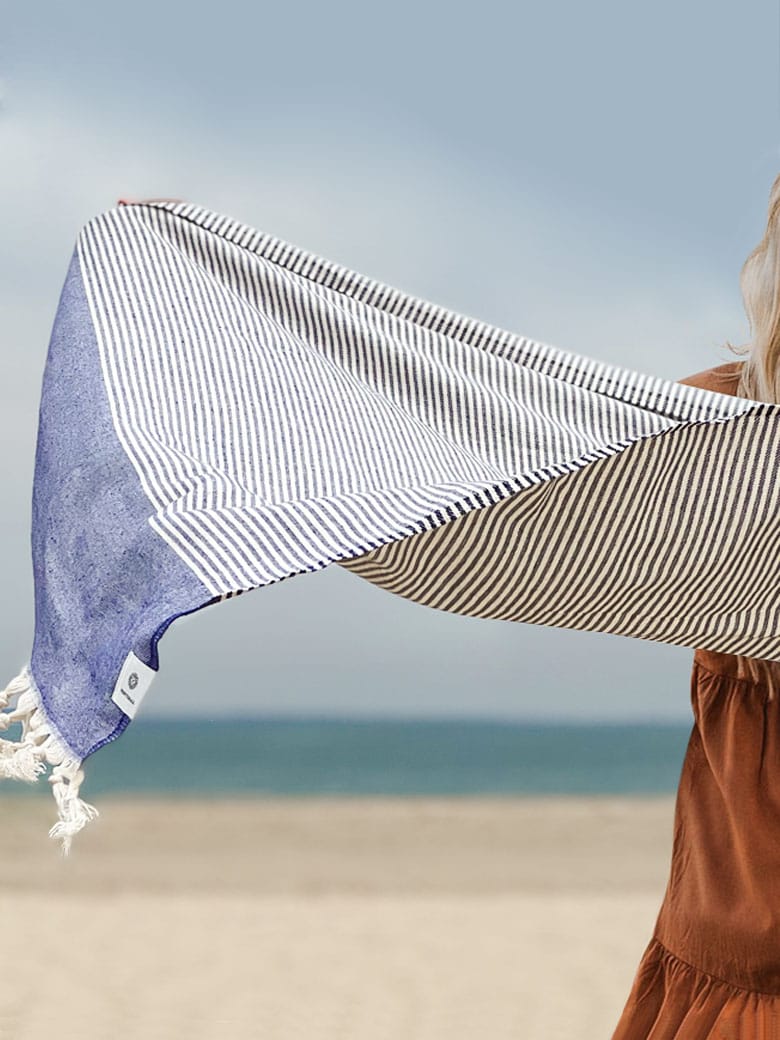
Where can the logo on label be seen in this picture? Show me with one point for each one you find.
(132, 684)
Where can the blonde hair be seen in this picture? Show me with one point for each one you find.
(759, 372)
(759, 280)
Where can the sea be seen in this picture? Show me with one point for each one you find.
(302, 756)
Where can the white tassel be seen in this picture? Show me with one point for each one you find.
(38, 746)
(16, 686)
(74, 813)
(20, 762)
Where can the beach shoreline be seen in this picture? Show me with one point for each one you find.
(334, 843)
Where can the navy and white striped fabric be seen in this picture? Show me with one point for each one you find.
(222, 409)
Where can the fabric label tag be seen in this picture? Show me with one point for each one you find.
(131, 686)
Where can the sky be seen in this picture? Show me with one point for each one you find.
(590, 176)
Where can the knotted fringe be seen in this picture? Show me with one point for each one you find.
(27, 759)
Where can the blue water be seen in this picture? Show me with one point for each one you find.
(300, 756)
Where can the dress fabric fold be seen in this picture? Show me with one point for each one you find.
(711, 970)
(222, 410)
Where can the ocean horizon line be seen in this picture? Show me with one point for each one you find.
(326, 718)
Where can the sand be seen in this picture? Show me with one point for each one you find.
(426, 919)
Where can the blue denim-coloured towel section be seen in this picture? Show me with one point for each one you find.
(221, 409)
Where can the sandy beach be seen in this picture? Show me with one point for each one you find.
(369, 918)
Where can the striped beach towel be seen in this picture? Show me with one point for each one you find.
(221, 410)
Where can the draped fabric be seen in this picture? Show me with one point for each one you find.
(221, 410)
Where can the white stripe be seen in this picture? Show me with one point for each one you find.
(283, 412)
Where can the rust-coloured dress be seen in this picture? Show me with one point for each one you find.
(712, 968)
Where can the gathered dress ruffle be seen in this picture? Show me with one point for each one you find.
(711, 970)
